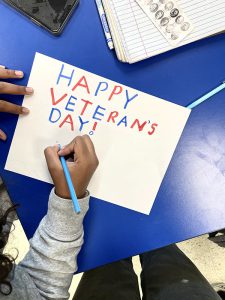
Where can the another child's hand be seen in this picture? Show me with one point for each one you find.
(8, 88)
(82, 167)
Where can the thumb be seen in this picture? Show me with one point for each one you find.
(52, 158)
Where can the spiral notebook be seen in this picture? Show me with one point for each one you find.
(136, 38)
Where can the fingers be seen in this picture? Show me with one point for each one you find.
(91, 149)
(81, 169)
(52, 158)
(12, 108)
(78, 146)
(9, 88)
(68, 149)
(89, 143)
(3, 136)
(7, 74)
(83, 150)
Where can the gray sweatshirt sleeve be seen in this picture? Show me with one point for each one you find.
(52, 258)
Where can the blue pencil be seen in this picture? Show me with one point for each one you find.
(70, 183)
(206, 96)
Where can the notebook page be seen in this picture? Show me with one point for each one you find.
(141, 39)
(131, 21)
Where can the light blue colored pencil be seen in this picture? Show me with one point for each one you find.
(69, 183)
(206, 96)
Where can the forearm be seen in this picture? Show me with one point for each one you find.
(51, 260)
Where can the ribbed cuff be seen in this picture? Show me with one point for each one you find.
(61, 220)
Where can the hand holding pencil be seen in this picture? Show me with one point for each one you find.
(81, 161)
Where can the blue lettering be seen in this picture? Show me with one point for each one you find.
(61, 75)
(99, 86)
(82, 123)
(70, 103)
(124, 121)
(128, 100)
(98, 113)
(57, 115)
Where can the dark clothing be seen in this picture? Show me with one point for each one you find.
(167, 274)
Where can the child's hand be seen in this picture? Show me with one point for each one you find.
(8, 88)
(82, 167)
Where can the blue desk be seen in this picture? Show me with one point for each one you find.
(191, 200)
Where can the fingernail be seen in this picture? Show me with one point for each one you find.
(61, 150)
(29, 90)
(19, 73)
(3, 137)
(25, 110)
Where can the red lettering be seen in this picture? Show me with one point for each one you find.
(68, 119)
(112, 116)
(84, 85)
(54, 102)
(86, 103)
(115, 92)
(140, 126)
(153, 127)
(95, 125)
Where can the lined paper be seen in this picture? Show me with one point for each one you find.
(139, 38)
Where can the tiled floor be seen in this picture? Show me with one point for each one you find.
(208, 257)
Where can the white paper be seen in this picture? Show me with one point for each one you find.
(132, 161)
(134, 32)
